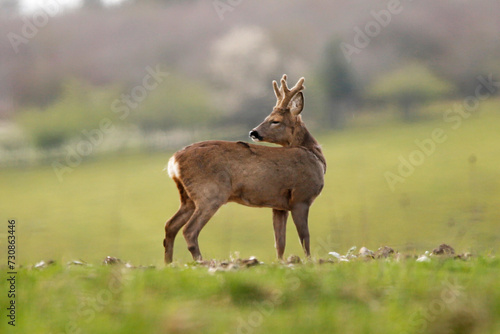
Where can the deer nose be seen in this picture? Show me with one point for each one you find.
(255, 135)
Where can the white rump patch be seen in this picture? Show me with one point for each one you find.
(173, 168)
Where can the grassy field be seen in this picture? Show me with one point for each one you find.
(117, 206)
(379, 296)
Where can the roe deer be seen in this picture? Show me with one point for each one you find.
(211, 173)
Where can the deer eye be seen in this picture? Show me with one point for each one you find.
(275, 122)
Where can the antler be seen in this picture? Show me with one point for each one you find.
(283, 94)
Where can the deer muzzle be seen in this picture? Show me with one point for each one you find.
(255, 136)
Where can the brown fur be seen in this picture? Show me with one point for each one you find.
(287, 179)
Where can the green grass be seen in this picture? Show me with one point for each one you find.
(444, 296)
(117, 206)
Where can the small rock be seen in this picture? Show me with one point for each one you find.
(250, 262)
(444, 249)
(335, 255)
(42, 264)
(424, 258)
(293, 259)
(365, 252)
(384, 252)
(77, 263)
(341, 258)
(110, 260)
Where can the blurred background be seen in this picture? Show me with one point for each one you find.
(96, 95)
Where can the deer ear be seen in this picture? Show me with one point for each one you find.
(296, 104)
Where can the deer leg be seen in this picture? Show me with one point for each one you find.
(300, 214)
(200, 217)
(279, 223)
(173, 225)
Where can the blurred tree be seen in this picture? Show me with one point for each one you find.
(241, 61)
(81, 107)
(115, 47)
(339, 84)
(409, 87)
(177, 102)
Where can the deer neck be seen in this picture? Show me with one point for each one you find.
(303, 138)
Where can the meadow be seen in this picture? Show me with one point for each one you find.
(117, 205)
(378, 296)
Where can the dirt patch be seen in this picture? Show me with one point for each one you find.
(443, 249)
(384, 252)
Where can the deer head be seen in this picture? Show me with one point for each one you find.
(279, 127)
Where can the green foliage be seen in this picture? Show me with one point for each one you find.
(337, 75)
(444, 296)
(177, 102)
(116, 55)
(414, 82)
(337, 79)
(80, 107)
(409, 86)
